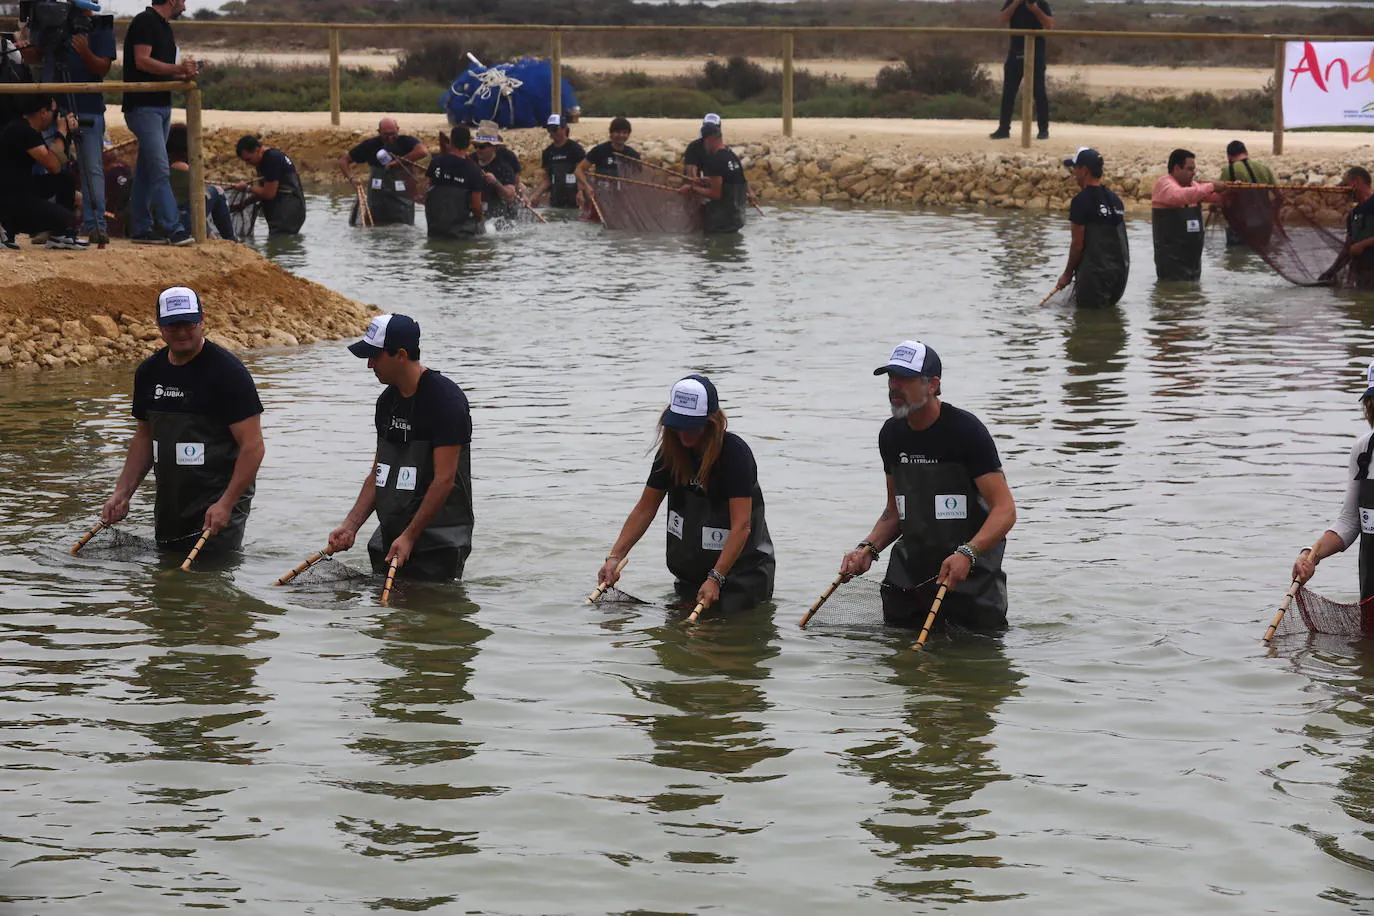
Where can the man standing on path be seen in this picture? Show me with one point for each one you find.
(1176, 218)
(947, 501)
(420, 484)
(1024, 14)
(199, 429)
(1099, 256)
(150, 55)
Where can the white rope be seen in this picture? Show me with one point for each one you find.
(499, 83)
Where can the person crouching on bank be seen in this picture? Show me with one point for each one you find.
(420, 484)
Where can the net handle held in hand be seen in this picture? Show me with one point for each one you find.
(653, 165)
(1048, 296)
(537, 215)
(1287, 600)
(309, 562)
(390, 579)
(603, 586)
(643, 184)
(696, 612)
(1243, 185)
(86, 538)
(195, 551)
(821, 600)
(930, 618)
(595, 204)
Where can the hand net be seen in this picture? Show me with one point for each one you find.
(1066, 297)
(857, 601)
(614, 595)
(640, 206)
(243, 211)
(1299, 232)
(116, 544)
(327, 572)
(1311, 613)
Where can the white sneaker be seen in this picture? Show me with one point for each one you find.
(67, 243)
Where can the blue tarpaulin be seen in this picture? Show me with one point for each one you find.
(515, 94)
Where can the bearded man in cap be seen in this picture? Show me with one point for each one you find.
(420, 484)
(198, 429)
(948, 504)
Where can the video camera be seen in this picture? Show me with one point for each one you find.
(53, 22)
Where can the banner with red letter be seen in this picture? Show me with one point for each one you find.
(1328, 84)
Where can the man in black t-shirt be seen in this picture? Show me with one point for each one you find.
(199, 429)
(391, 158)
(948, 505)
(500, 182)
(420, 484)
(1024, 14)
(607, 159)
(278, 186)
(386, 150)
(559, 161)
(25, 204)
(721, 183)
(453, 206)
(150, 55)
(1358, 253)
(1099, 258)
(695, 155)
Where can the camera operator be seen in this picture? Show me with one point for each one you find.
(38, 203)
(150, 55)
(85, 57)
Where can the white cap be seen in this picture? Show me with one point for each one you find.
(179, 304)
(692, 400)
(555, 120)
(911, 358)
(711, 118)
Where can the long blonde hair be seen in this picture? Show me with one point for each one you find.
(677, 458)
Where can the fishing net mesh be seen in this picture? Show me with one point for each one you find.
(637, 205)
(1066, 297)
(117, 544)
(243, 211)
(1299, 232)
(614, 595)
(1311, 613)
(328, 571)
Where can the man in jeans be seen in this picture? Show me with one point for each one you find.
(150, 55)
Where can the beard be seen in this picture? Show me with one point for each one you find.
(903, 410)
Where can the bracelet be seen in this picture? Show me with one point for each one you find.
(613, 556)
(868, 545)
(716, 577)
(969, 551)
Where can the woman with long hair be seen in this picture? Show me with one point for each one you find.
(1356, 519)
(718, 545)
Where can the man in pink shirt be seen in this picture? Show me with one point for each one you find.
(1176, 218)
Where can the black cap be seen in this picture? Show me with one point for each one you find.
(1086, 157)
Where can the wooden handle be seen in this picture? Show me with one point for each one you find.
(1049, 296)
(85, 539)
(601, 587)
(1287, 600)
(696, 612)
(930, 618)
(643, 184)
(322, 555)
(537, 215)
(195, 551)
(596, 205)
(654, 165)
(821, 600)
(390, 578)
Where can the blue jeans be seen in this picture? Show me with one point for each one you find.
(151, 198)
(216, 211)
(93, 175)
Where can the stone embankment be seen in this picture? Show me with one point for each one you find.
(76, 308)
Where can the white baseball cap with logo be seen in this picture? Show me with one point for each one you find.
(1369, 382)
(911, 358)
(179, 305)
(692, 400)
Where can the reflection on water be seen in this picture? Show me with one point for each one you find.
(207, 740)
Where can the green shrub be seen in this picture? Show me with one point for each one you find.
(949, 71)
(652, 102)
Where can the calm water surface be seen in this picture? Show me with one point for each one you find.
(171, 741)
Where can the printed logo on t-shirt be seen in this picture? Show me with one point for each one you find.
(904, 458)
(901, 507)
(167, 391)
(1194, 225)
(191, 454)
(406, 478)
(400, 423)
(714, 538)
(1366, 521)
(951, 506)
(674, 524)
(383, 472)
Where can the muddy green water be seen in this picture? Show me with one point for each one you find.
(174, 741)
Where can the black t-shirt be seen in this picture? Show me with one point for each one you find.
(367, 150)
(447, 168)
(148, 28)
(213, 384)
(16, 165)
(606, 159)
(726, 164)
(437, 413)
(102, 44)
(568, 155)
(1023, 18)
(734, 475)
(506, 155)
(1096, 204)
(503, 174)
(695, 154)
(956, 435)
(276, 166)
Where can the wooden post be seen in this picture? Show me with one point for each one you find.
(335, 93)
(196, 150)
(1280, 65)
(1027, 91)
(787, 88)
(556, 61)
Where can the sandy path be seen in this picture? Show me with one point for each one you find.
(1099, 80)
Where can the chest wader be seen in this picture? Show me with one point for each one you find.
(448, 214)
(698, 527)
(1360, 227)
(1106, 265)
(938, 507)
(1254, 218)
(404, 473)
(1178, 243)
(286, 212)
(727, 214)
(388, 196)
(1366, 541)
(562, 185)
(193, 460)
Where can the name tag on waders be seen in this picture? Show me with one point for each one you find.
(570, 178)
(714, 538)
(400, 186)
(674, 524)
(406, 478)
(901, 507)
(376, 184)
(1194, 225)
(951, 506)
(191, 453)
(383, 472)
(1366, 521)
